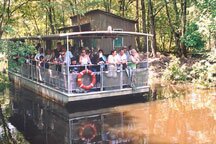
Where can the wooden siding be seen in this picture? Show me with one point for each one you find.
(100, 20)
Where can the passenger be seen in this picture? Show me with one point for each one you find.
(38, 46)
(58, 61)
(84, 58)
(40, 53)
(74, 68)
(41, 61)
(41, 68)
(67, 56)
(102, 60)
(112, 64)
(134, 59)
(48, 55)
(28, 59)
(102, 57)
(48, 58)
(61, 58)
(127, 51)
(32, 59)
(58, 50)
(122, 58)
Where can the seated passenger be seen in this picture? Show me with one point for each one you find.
(73, 67)
(40, 53)
(134, 59)
(102, 60)
(122, 58)
(112, 64)
(84, 58)
(48, 57)
(102, 57)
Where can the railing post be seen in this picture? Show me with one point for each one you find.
(121, 77)
(37, 71)
(147, 58)
(68, 78)
(21, 70)
(67, 67)
(32, 72)
(101, 77)
(147, 50)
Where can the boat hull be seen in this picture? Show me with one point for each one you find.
(63, 97)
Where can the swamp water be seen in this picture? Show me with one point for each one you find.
(171, 114)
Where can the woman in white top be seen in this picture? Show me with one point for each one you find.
(84, 58)
(112, 64)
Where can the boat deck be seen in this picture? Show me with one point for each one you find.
(65, 89)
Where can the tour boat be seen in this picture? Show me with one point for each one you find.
(65, 86)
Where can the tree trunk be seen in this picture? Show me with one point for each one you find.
(137, 24)
(143, 9)
(50, 17)
(176, 11)
(152, 27)
(105, 5)
(175, 34)
(183, 26)
(2, 17)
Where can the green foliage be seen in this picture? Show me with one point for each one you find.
(208, 7)
(4, 82)
(192, 38)
(14, 50)
(174, 71)
(203, 74)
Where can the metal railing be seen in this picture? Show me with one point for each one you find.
(64, 78)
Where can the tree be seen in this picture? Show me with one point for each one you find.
(137, 24)
(177, 26)
(144, 26)
(8, 9)
(192, 38)
(152, 27)
(208, 11)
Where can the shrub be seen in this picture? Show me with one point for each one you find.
(174, 71)
(204, 74)
(192, 38)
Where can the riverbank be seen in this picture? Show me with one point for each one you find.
(198, 71)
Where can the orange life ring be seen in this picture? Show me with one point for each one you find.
(88, 137)
(79, 79)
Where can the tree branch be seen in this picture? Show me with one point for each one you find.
(159, 10)
(18, 7)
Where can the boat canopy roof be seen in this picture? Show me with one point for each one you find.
(84, 34)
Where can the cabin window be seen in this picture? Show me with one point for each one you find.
(118, 42)
(94, 43)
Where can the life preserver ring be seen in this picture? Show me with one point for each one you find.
(87, 137)
(79, 79)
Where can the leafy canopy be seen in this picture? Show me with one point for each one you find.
(192, 38)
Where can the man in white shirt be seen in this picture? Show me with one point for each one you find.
(40, 53)
(67, 57)
(122, 58)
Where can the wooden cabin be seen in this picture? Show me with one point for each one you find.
(98, 20)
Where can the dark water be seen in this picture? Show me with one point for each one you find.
(168, 115)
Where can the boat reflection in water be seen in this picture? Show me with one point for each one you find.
(186, 116)
(45, 122)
